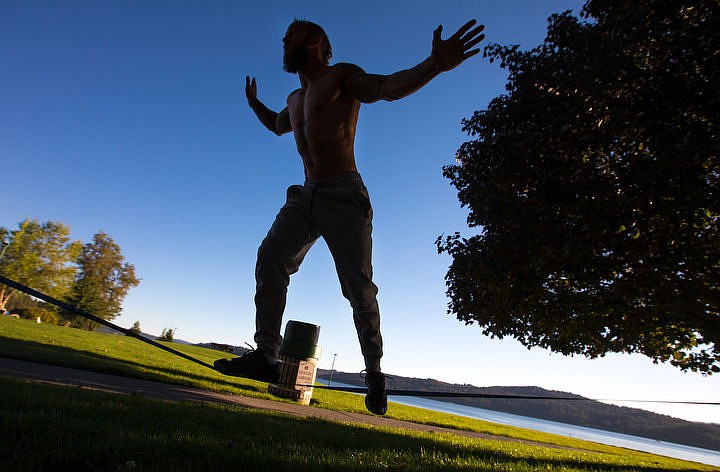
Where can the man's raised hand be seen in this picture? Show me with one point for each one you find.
(250, 89)
(449, 53)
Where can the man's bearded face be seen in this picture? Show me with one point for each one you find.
(295, 56)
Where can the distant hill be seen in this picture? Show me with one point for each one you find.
(588, 413)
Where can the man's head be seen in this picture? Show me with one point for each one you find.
(304, 38)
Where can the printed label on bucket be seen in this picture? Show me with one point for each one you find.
(305, 375)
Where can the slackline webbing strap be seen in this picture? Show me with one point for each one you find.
(84, 314)
(405, 393)
(424, 393)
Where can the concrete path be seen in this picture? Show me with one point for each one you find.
(126, 385)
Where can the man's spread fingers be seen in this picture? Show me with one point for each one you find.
(463, 29)
(474, 33)
(470, 53)
(474, 41)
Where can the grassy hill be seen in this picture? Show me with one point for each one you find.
(51, 427)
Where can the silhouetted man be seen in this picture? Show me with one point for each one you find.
(333, 202)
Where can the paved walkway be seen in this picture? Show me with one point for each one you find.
(126, 385)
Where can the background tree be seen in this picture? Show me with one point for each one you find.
(168, 334)
(594, 182)
(135, 328)
(103, 281)
(40, 255)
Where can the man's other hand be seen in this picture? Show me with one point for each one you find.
(451, 52)
(250, 89)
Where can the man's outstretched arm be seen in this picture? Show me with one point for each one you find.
(446, 55)
(278, 123)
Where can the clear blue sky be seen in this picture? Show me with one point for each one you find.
(130, 117)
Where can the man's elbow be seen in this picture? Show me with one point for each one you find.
(279, 131)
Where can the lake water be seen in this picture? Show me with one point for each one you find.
(679, 451)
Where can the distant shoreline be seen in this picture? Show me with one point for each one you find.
(640, 443)
(587, 413)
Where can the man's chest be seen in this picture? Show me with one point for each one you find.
(317, 101)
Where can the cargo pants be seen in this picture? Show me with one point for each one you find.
(339, 210)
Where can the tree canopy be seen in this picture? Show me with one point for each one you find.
(103, 280)
(94, 277)
(594, 183)
(40, 255)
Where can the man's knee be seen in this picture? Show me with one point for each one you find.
(363, 298)
(267, 251)
(269, 259)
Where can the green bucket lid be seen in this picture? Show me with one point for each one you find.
(302, 332)
(300, 340)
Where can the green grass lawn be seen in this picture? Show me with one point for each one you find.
(52, 427)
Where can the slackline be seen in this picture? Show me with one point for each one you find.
(84, 314)
(398, 393)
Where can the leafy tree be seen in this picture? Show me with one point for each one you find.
(135, 328)
(168, 334)
(103, 281)
(595, 185)
(40, 255)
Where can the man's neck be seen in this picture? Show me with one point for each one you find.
(312, 72)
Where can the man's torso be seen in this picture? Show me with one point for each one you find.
(323, 118)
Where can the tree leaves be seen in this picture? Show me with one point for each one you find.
(94, 277)
(41, 255)
(595, 183)
(103, 280)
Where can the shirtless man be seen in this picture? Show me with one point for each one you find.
(333, 202)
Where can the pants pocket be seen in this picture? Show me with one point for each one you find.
(363, 201)
(293, 192)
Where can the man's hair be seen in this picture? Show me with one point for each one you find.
(314, 28)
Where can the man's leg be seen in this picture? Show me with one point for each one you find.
(279, 256)
(343, 215)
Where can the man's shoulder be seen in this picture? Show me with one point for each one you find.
(294, 92)
(346, 68)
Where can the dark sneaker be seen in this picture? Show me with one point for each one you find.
(376, 398)
(252, 365)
